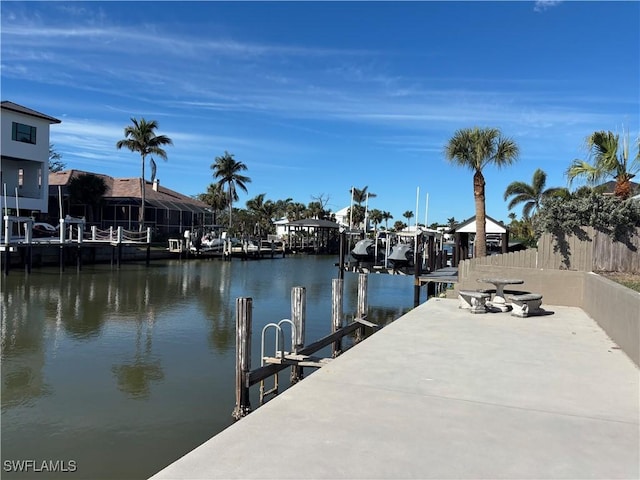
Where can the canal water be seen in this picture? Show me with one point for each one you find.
(116, 373)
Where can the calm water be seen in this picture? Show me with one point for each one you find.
(123, 372)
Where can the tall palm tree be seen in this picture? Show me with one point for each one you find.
(227, 170)
(408, 215)
(475, 148)
(532, 194)
(141, 137)
(609, 159)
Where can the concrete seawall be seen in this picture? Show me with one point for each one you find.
(442, 393)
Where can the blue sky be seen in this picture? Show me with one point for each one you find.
(317, 97)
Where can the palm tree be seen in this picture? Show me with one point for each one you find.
(532, 194)
(375, 216)
(361, 195)
(141, 137)
(215, 197)
(227, 170)
(609, 158)
(474, 148)
(386, 216)
(451, 222)
(408, 215)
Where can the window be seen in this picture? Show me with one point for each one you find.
(23, 133)
(21, 177)
(39, 178)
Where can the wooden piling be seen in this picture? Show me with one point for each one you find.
(244, 314)
(337, 289)
(416, 280)
(298, 317)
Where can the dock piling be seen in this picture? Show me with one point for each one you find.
(244, 315)
(363, 307)
(337, 289)
(298, 317)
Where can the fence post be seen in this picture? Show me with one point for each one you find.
(362, 303)
(336, 312)
(244, 314)
(298, 317)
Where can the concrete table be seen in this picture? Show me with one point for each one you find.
(499, 301)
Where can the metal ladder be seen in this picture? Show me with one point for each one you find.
(279, 354)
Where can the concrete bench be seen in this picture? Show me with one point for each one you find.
(473, 300)
(526, 305)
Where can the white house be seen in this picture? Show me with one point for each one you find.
(24, 168)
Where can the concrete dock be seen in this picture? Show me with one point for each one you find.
(442, 393)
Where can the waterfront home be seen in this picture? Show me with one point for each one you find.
(166, 211)
(25, 159)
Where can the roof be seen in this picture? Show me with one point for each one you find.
(129, 188)
(469, 226)
(314, 222)
(14, 107)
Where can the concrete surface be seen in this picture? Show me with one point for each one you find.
(442, 393)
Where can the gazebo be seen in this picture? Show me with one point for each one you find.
(494, 230)
(324, 233)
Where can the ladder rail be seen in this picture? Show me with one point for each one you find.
(279, 353)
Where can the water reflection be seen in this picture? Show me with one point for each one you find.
(145, 356)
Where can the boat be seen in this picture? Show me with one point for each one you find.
(401, 255)
(209, 243)
(244, 248)
(364, 250)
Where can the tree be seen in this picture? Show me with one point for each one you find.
(55, 160)
(263, 212)
(451, 222)
(531, 194)
(87, 189)
(386, 216)
(609, 159)
(361, 195)
(408, 215)
(475, 148)
(215, 197)
(141, 137)
(227, 170)
(376, 218)
(399, 225)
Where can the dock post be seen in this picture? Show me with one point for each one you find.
(298, 317)
(362, 303)
(244, 314)
(416, 280)
(336, 312)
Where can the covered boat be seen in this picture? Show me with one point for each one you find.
(401, 255)
(364, 250)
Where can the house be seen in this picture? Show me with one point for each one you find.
(25, 159)
(496, 233)
(166, 211)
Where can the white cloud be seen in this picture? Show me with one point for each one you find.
(542, 5)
